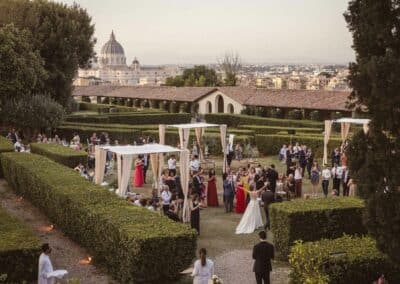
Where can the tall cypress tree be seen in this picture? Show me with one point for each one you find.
(375, 79)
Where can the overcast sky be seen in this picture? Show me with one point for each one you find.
(200, 31)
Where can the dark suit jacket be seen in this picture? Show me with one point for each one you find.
(263, 252)
(267, 197)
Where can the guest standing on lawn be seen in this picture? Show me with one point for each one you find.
(195, 213)
(229, 192)
(138, 173)
(212, 197)
(298, 180)
(314, 178)
(263, 252)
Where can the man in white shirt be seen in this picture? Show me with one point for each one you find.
(298, 179)
(45, 266)
(194, 164)
(166, 196)
(326, 176)
(172, 164)
(337, 173)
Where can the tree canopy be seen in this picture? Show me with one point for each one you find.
(61, 34)
(375, 157)
(198, 76)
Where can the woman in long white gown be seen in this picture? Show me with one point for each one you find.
(251, 219)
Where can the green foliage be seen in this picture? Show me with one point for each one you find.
(38, 112)
(295, 114)
(5, 146)
(347, 259)
(261, 129)
(63, 35)
(315, 115)
(270, 144)
(104, 108)
(374, 26)
(198, 76)
(145, 117)
(60, 154)
(314, 219)
(233, 120)
(19, 250)
(22, 70)
(122, 237)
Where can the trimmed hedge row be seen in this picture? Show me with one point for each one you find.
(314, 219)
(234, 120)
(5, 146)
(122, 237)
(262, 129)
(212, 139)
(104, 108)
(112, 125)
(270, 144)
(133, 118)
(19, 250)
(124, 136)
(343, 260)
(60, 154)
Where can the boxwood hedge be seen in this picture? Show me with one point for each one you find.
(235, 119)
(5, 146)
(104, 108)
(270, 144)
(60, 154)
(19, 250)
(347, 259)
(134, 244)
(263, 129)
(133, 118)
(314, 219)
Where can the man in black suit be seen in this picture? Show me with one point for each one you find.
(272, 176)
(263, 252)
(267, 197)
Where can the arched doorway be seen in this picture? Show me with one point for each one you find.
(208, 107)
(219, 103)
(230, 108)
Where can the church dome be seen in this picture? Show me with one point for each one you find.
(112, 54)
(112, 46)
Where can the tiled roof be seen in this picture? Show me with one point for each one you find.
(329, 100)
(185, 94)
(323, 100)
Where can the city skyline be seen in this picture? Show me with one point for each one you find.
(190, 32)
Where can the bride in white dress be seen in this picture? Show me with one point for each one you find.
(251, 219)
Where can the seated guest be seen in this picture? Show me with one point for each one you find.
(170, 213)
(149, 205)
(166, 196)
(18, 146)
(143, 202)
(194, 164)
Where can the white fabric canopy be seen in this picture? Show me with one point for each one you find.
(353, 120)
(184, 173)
(100, 164)
(124, 170)
(222, 129)
(141, 149)
(193, 125)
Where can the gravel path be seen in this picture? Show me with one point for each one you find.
(236, 267)
(66, 254)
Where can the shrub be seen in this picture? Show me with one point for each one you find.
(146, 117)
(233, 120)
(314, 219)
(295, 114)
(60, 154)
(104, 108)
(122, 237)
(261, 129)
(344, 260)
(315, 115)
(5, 146)
(270, 144)
(19, 250)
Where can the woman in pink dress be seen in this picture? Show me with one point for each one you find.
(138, 178)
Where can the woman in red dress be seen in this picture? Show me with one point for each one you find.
(240, 197)
(212, 197)
(138, 179)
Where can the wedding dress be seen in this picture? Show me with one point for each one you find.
(251, 219)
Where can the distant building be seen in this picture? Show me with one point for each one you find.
(111, 68)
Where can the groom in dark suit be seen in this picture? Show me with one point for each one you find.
(263, 252)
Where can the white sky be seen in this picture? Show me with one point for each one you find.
(200, 31)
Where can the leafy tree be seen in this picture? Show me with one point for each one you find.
(199, 76)
(375, 157)
(63, 35)
(21, 69)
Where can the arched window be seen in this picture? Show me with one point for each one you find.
(230, 108)
(208, 107)
(219, 103)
